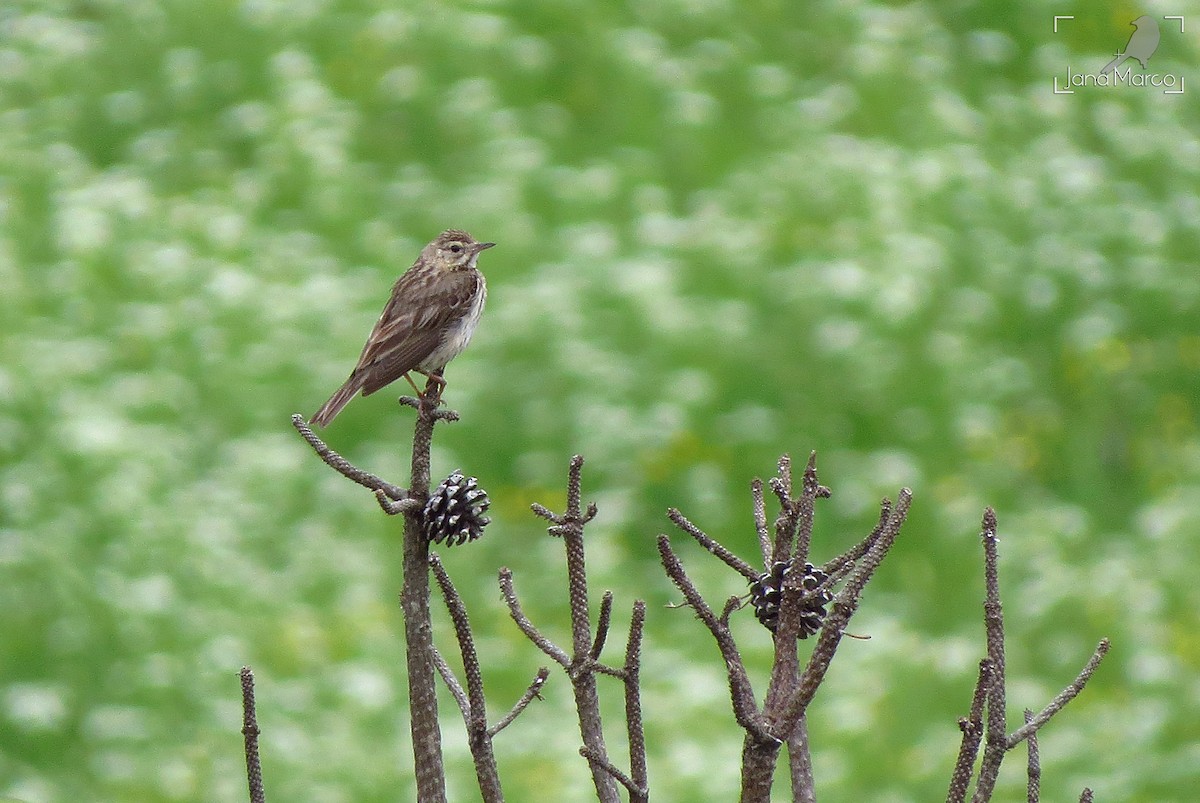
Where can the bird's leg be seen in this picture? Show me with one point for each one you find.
(439, 383)
(412, 384)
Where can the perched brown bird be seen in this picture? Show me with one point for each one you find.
(428, 321)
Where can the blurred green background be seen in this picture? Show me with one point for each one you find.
(726, 231)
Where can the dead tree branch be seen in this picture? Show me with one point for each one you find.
(250, 732)
(414, 596)
(986, 723)
(789, 597)
(582, 664)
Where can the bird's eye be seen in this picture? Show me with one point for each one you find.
(456, 247)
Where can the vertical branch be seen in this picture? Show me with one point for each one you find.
(993, 617)
(843, 608)
(479, 737)
(640, 792)
(414, 602)
(741, 693)
(1033, 790)
(760, 521)
(785, 670)
(800, 764)
(805, 510)
(581, 669)
(250, 732)
(972, 734)
(785, 522)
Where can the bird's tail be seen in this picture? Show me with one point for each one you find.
(1112, 65)
(337, 401)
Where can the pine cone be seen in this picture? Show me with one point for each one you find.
(766, 595)
(454, 512)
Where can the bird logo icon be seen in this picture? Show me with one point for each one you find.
(1141, 45)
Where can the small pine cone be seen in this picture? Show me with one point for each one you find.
(454, 512)
(766, 595)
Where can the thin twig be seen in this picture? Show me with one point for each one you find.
(570, 526)
(527, 627)
(843, 564)
(466, 644)
(250, 732)
(456, 690)
(600, 760)
(731, 560)
(805, 509)
(972, 734)
(394, 508)
(426, 400)
(760, 522)
(745, 710)
(844, 607)
(732, 604)
(633, 704)
(479, 737)
(785, 522)
(602, 626)
(996, 742)
(343, 466)
(1062, 698)
(1033, 789)
(534, 691)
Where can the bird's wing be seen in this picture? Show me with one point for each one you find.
(404, 336)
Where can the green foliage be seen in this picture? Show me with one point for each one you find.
(726, 231)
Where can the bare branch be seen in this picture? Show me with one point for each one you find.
(841, 566)
(844, 607)
(534, 691)
(800, 765)
(805, 511)
(391, 508)
(474, 707)
(418, 623)
(1033, 789)
(745, 710)
(466, 644)
(760, 521)
(782, 481)
(456, 689)
(785, 522)
(602, 626)
(1062, 698)
(972, 731)
(343, 466)
(432, 405)
(731, 560)
(996, 742)
(544, 512)
(600, 760)
(250, 733)
(732, 604)
(633, 702)
(527, 627)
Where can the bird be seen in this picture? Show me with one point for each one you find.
(434, 309)
(1141, 45)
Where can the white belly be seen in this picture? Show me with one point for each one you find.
(458, 335)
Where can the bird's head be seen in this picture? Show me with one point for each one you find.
(1142, 20)
(454, 250)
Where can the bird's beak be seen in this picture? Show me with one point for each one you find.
(483, 246)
